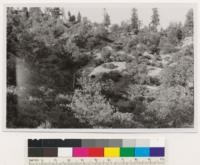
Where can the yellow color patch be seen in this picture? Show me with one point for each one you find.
(111, 152)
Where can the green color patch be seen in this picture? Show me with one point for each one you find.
(127, 152)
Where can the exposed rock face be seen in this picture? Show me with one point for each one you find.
(108, 48)
(166, 58)
(152, 88)
(187, 41)
(98, 55)
(119, 66)
(154, 71)
(148, 54)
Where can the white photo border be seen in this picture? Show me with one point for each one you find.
(93, 130)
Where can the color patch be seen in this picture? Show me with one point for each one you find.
(101, 143)
(35, 152)
(50, 152)
(157, 143)
(64, 152)
(88, 143)
(96, 152)
(80, 152)
(142, 143)
(111, 152)
(142, 152)
(114, 143)
(34, 143)
(126, 152)
(71, 143)
(157, 152)
(128, 143)
(54, 143)
(51, 142)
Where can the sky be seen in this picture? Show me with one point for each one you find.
(173, 12)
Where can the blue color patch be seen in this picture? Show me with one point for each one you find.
(142, 152)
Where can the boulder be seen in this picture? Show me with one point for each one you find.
(148, 55)
(154, 71)
(119, 66)
(187, 41)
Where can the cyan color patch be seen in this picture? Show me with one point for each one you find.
(142, 152)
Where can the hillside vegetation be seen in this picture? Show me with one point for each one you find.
(64, 71)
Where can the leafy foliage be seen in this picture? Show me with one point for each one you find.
(173, 108)
(91, 107)
(180, 72)
(166, 47)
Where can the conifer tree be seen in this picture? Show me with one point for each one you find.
(189, 24)
(106, 20)
(155, 21)
(135, 21)
(79, 17)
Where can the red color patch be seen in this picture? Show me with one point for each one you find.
(96, 152)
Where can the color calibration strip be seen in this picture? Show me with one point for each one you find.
(99, 148)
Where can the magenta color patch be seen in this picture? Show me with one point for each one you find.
(80, 152)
